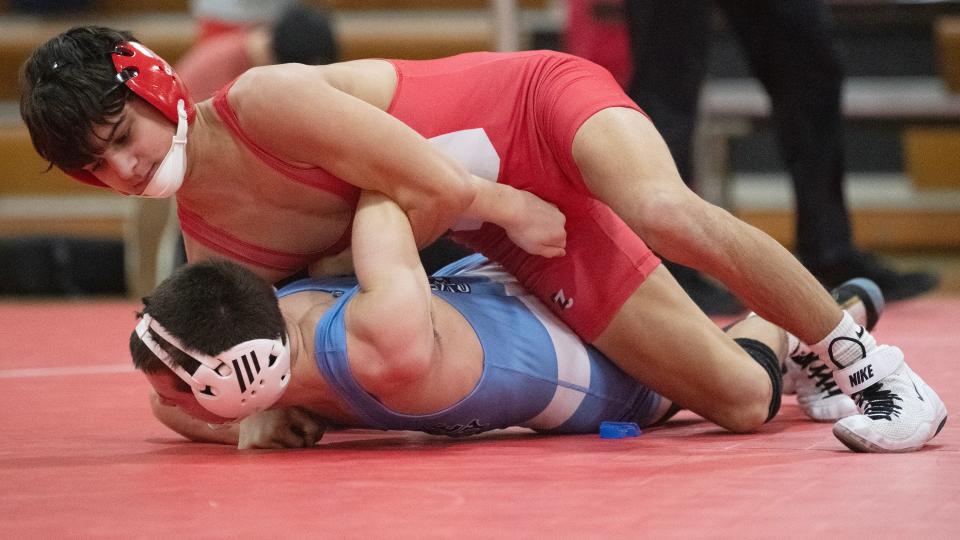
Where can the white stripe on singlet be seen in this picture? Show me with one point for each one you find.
(573, 367)
(573, 363)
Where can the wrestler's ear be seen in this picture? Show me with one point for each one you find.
(166, 381)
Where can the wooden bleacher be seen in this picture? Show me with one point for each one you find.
(918, 105)
(926, 110)
(734, 107)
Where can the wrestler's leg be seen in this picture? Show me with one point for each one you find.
(662, 339)
(625, 163)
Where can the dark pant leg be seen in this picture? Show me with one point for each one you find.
(669, 41)
(791, 50)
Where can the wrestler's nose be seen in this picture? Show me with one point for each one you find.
(122, 162)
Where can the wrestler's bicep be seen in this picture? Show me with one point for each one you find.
(392, 313)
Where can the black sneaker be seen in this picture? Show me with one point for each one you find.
(712, 299)
(894, 284)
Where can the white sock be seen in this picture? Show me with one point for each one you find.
(846, 344)
(795, 346)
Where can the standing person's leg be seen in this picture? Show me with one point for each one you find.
(669, 42)
(805, 91)
(791, 48)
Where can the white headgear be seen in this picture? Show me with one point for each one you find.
(168, 177)
(236, 383)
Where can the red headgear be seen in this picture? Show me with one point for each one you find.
(152, 79)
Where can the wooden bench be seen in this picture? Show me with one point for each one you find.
(735, 107)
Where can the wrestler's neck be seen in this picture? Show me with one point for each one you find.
(204, 179)
(308, 388)
(196, 135)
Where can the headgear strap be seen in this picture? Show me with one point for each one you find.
(152, 79)
(242, 380)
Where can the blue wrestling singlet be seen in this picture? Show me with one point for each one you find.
(536, 372)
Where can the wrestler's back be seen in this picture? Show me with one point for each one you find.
(525, 360)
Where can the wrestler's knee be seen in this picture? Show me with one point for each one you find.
(754, 397)
(670, 217)
(748, 409)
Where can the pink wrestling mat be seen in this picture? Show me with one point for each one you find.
(81, 456)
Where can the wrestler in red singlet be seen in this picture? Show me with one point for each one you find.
(510, 118)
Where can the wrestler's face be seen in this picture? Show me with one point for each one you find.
(174, 393)
(137, 141)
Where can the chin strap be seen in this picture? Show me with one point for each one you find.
(168, 177)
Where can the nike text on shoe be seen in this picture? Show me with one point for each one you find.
(817, 392)
(898, 411)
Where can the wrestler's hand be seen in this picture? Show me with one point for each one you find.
(280, 428)
(340, 264)
(537, 226)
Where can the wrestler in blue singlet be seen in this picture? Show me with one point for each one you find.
(536, 372)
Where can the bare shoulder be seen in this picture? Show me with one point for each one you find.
(265, 87)
(260, 86)
(373, 81)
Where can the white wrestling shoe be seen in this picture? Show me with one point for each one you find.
(898, 411)
(817, 393)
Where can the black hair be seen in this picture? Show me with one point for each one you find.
(67, 86)
(209, 306)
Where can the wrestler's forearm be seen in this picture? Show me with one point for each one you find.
(191, 428)
(382, 244)
(433, 208)
(536, 226)
(493, 202)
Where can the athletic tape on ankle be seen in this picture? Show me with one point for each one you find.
(876, 366)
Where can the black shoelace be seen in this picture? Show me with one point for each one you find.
(820, 374)
(878, 403)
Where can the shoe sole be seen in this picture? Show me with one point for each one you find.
(855, 442)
